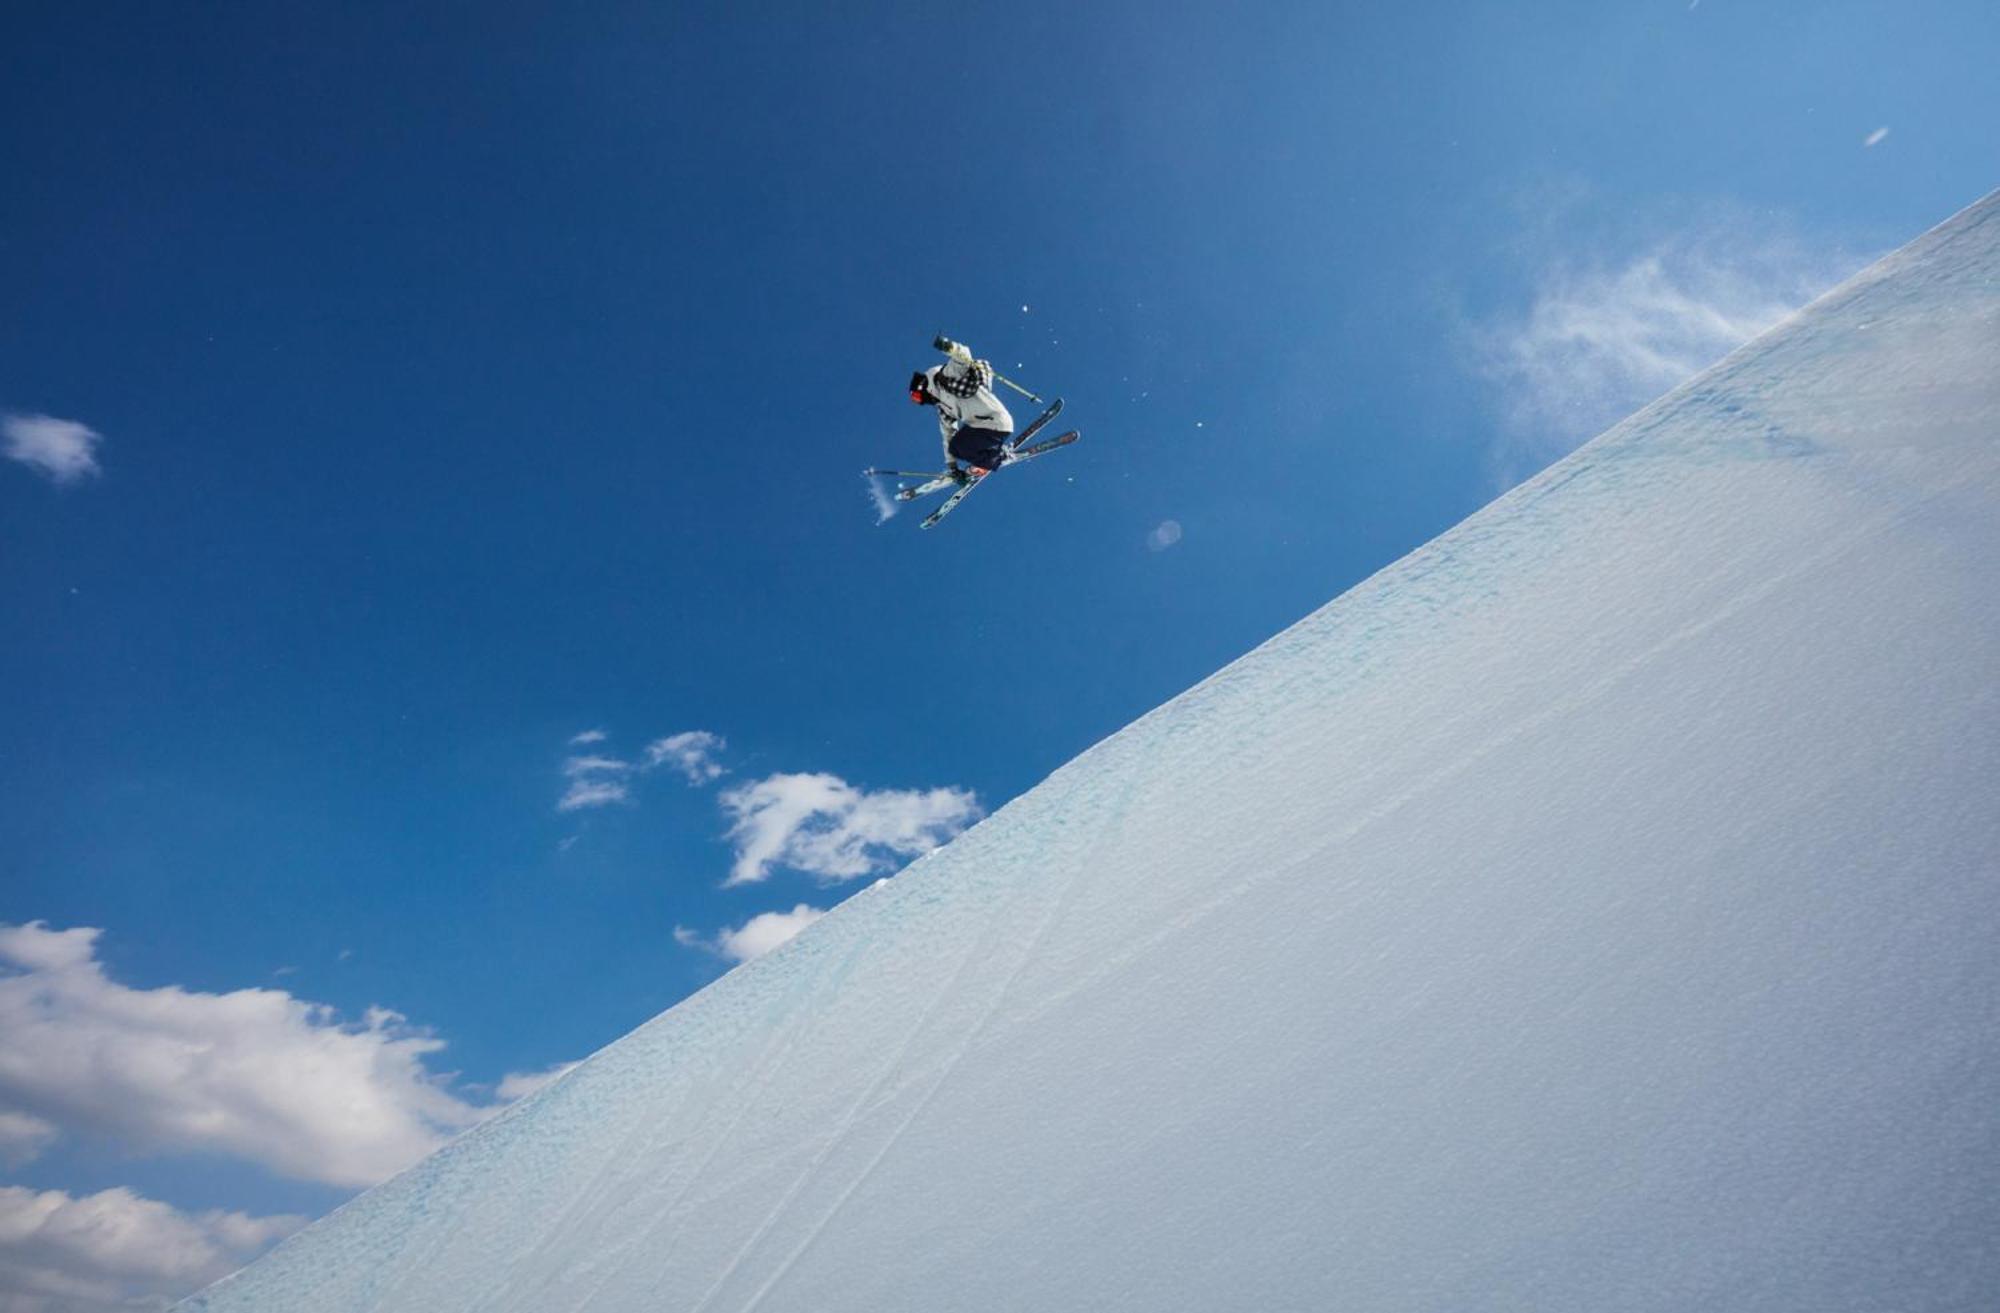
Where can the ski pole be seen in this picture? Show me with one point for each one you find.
(1017, 387)
(951, 348)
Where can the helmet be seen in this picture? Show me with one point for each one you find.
(920, 389)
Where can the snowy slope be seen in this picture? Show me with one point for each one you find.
(1598, 909)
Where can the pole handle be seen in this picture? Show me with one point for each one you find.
(963, 355)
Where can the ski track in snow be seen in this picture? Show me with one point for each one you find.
(768, 1062)
(854, 1114)
(1080, 873)
(1193, 917)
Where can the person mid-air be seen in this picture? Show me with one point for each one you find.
(973, 422)
(978, 432)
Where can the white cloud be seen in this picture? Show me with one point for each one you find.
(580, 766)
(583, 794)
(594, 781)
(520, 1084)
(1164, 536)
(755, 937)
(1605, 334)
(117, 1250)
(255, 1073)
(599, 780)
(1614, 337)
(23, 1138)
(691, 753)
(1876, 137)
(760, 934)
(827, 828)
(62, 449)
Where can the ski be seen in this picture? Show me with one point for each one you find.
(950, 503)
(932, 483)
(1043, 448)
(1035, 425)
(1015, 457)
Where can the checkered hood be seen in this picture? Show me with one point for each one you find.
(964, 381)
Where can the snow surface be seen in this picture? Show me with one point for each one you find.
(1598, 909)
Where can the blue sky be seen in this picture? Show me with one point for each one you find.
(399, 399)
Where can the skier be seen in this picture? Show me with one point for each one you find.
(975, 427)
(972, 421)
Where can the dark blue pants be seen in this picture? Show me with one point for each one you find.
(980, 447)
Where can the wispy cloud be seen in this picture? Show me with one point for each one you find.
(584, 794)
(1164, 535)
(1876, 137)
(256, 1073)
(691, 753)
(1608, 329)
(116, 1251)
(825, 827)
(61, 449)
(594, 781)
(593, 765)
(755, 937)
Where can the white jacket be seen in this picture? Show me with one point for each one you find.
(965, 399)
